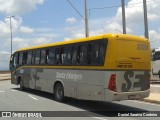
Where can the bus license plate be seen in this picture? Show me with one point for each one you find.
(134, 97)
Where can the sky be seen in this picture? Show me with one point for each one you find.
(38, 22)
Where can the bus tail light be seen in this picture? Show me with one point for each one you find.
(112, 83)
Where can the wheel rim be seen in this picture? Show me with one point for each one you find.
(59, 92)
(21, 84)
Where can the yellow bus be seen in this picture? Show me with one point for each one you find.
(108, 67)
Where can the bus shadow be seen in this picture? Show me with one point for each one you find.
(108, 109)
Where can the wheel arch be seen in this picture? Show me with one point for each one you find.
(55, 83)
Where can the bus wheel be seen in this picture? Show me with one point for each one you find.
(22, 88)
(59, 92)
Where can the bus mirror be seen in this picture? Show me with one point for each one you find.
(11, 65)
(10, 62)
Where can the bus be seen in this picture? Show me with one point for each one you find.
(156, 62)
(108, 67)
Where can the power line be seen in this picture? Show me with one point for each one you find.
(115, 6)
(75, 9)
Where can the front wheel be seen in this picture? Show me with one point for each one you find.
(22, 88)
(59, 92)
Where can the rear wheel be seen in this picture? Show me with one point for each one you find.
(22, 88)
(59, 92)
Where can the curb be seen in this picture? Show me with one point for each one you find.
(5, 79)
(151, 101)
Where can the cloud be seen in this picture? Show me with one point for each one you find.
(25, 29)
(71, 20)
(43, 29)
(134, 22)
(5, 26)
(154, 38)
(47, 35)
(135, 12)
(37, 36)
(41, 40)
(18, 7)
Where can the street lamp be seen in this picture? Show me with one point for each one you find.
(10, 17)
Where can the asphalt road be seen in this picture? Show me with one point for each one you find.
(12, 99)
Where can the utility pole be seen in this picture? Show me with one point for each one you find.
(145, 19)
(86, 18)
(10, 18)
(123, 16)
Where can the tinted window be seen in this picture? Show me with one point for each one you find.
(65, 55)
(102, 52)
(43, 56)
(89, 51)
(51, 56)
(24, 57)
(74, 55)
(156, 56)
(57, 56)
(84, 54)
(29, 57)
(20, 58)
(37, 57)
(15, 59)
(33, 57)
(96, 54)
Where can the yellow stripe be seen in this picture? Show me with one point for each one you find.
(63, 67)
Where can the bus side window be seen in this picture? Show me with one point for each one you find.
(43, 57)
(83, 54)
(89, 48)
(75, 55)
(37, 57)
(51, 56)
(102, 53)
(15, 59)
(33, 57)
(20, 58)
(29, 57)
(24, 58)
(95, 54)
(65, 55)
(57, 56)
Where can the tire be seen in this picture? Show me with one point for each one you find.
(22, 88)
(59, 92)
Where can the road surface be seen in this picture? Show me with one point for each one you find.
(12, 99)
